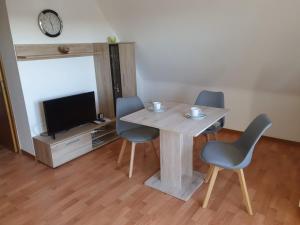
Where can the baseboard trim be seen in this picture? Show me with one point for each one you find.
(265, 137)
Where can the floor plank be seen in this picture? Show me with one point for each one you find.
(90, 190)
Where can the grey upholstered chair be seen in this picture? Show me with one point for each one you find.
(212, 99)
(132, 132)
(234, 156)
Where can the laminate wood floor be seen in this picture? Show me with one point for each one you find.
(90, 190)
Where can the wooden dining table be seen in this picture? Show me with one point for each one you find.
(176, 176)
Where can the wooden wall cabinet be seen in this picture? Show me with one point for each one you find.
(115, 76)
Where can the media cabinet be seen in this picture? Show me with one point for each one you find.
(115, 72)
(73, 143)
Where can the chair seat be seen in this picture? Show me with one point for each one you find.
(140, 134)
(221, 154)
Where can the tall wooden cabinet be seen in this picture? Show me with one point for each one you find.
(115, 74)
(128, 69)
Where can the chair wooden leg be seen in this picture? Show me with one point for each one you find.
(209, 173)
(131, 159)
(216, 136)
(207, 137)
(245, 191)
(154, 150)
(210, 186)
(145, 153)
(121, 153)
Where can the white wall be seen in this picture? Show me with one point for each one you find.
(244, 105)
(249, 49)
(45, 79)
(13, 81)
(66, 77)
(83, 21)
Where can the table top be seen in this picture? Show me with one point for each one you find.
(173, 119)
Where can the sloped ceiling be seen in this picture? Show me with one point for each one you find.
(240, 44)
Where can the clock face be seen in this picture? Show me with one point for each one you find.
(50, 23)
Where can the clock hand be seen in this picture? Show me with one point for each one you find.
(51, 24)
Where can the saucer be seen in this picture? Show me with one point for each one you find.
(199, 117)
(151, 109)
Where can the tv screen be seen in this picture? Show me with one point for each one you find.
(68, 112)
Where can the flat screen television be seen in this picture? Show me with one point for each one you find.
(68, 112)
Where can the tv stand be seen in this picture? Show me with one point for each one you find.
(73, 143)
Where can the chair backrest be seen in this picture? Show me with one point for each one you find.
(126, 106)
(251, 136)
(211, 99)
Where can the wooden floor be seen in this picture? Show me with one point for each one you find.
(90, 190)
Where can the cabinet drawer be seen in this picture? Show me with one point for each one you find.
(71, 149)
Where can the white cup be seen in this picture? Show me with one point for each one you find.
(156, 106)
(195, 111)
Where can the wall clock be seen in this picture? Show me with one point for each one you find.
(50, 23)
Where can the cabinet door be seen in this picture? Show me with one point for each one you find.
(128, 69)
(104, 80)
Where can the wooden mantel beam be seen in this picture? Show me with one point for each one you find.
(51, 51)
(25, 52)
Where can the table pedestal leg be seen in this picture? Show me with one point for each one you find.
(176, 176)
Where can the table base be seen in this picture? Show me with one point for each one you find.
(189, 185)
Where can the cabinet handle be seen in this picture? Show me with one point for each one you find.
(72, 142)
